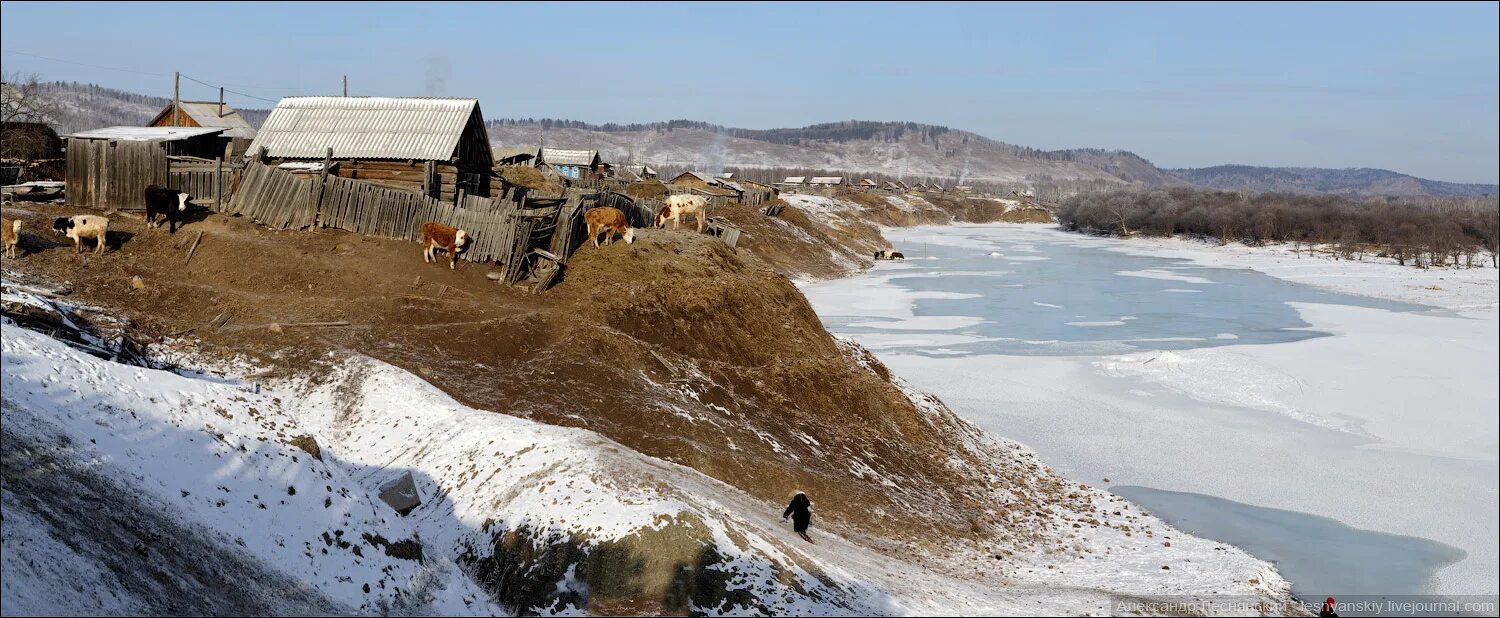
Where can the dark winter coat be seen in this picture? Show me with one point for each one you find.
(800, 510)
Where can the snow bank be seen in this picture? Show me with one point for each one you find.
(213, 455)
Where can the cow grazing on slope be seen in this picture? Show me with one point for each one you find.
(678, 206)
(170, 203)
(79, 227)
(609, 221)
(446, 237)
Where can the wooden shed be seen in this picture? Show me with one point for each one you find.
(110, 168)
(434, 146)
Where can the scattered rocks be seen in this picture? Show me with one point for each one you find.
(137, 283)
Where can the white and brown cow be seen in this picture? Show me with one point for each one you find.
(446, 237)
(678, 206)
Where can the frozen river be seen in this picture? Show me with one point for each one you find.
(1351, 440)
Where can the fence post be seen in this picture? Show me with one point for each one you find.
(219, 183)
(322, 186)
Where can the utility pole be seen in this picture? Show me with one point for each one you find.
(221, 101)
(176, 96)
(346, 85)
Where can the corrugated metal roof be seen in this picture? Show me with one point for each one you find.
(206, 114)
(867, 183)
(726, 175)
(794, 180)
(731, 185)
(426, 129)
(558, 156)
(147, 134)
(826, 180)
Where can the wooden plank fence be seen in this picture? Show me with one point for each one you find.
(501, 229)
(209, 181)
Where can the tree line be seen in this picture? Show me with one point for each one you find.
(1423, 231)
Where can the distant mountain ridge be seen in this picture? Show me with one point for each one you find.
(914, 151)
(89, 106)
(1354, 181)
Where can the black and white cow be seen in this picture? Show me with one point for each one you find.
(169, 203)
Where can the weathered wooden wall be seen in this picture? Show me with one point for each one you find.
(106, 175)
(110, 175)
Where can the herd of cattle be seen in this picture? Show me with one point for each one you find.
(172, 204)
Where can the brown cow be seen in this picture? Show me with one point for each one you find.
(609, 221)
(446, 237)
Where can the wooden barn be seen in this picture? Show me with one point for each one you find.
(435, 146)
(826, 181)
(110, 168)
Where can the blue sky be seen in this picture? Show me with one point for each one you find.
(1406, 87)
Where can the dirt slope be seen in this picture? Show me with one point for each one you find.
(676, 346)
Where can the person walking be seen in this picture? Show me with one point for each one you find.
(800, 510)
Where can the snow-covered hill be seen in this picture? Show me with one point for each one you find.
(137, 490)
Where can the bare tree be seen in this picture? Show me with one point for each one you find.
(22, 100)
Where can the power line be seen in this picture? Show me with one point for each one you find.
(96, 66)
(251, 96)
(83, 64)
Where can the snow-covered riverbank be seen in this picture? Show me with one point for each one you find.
(206, 503)
(1379, 416)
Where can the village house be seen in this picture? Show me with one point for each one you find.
(572, 164)
(435, 146)
(826, 181)
(209, 114)
(644, 171)
(867, 184)
(694, 180)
